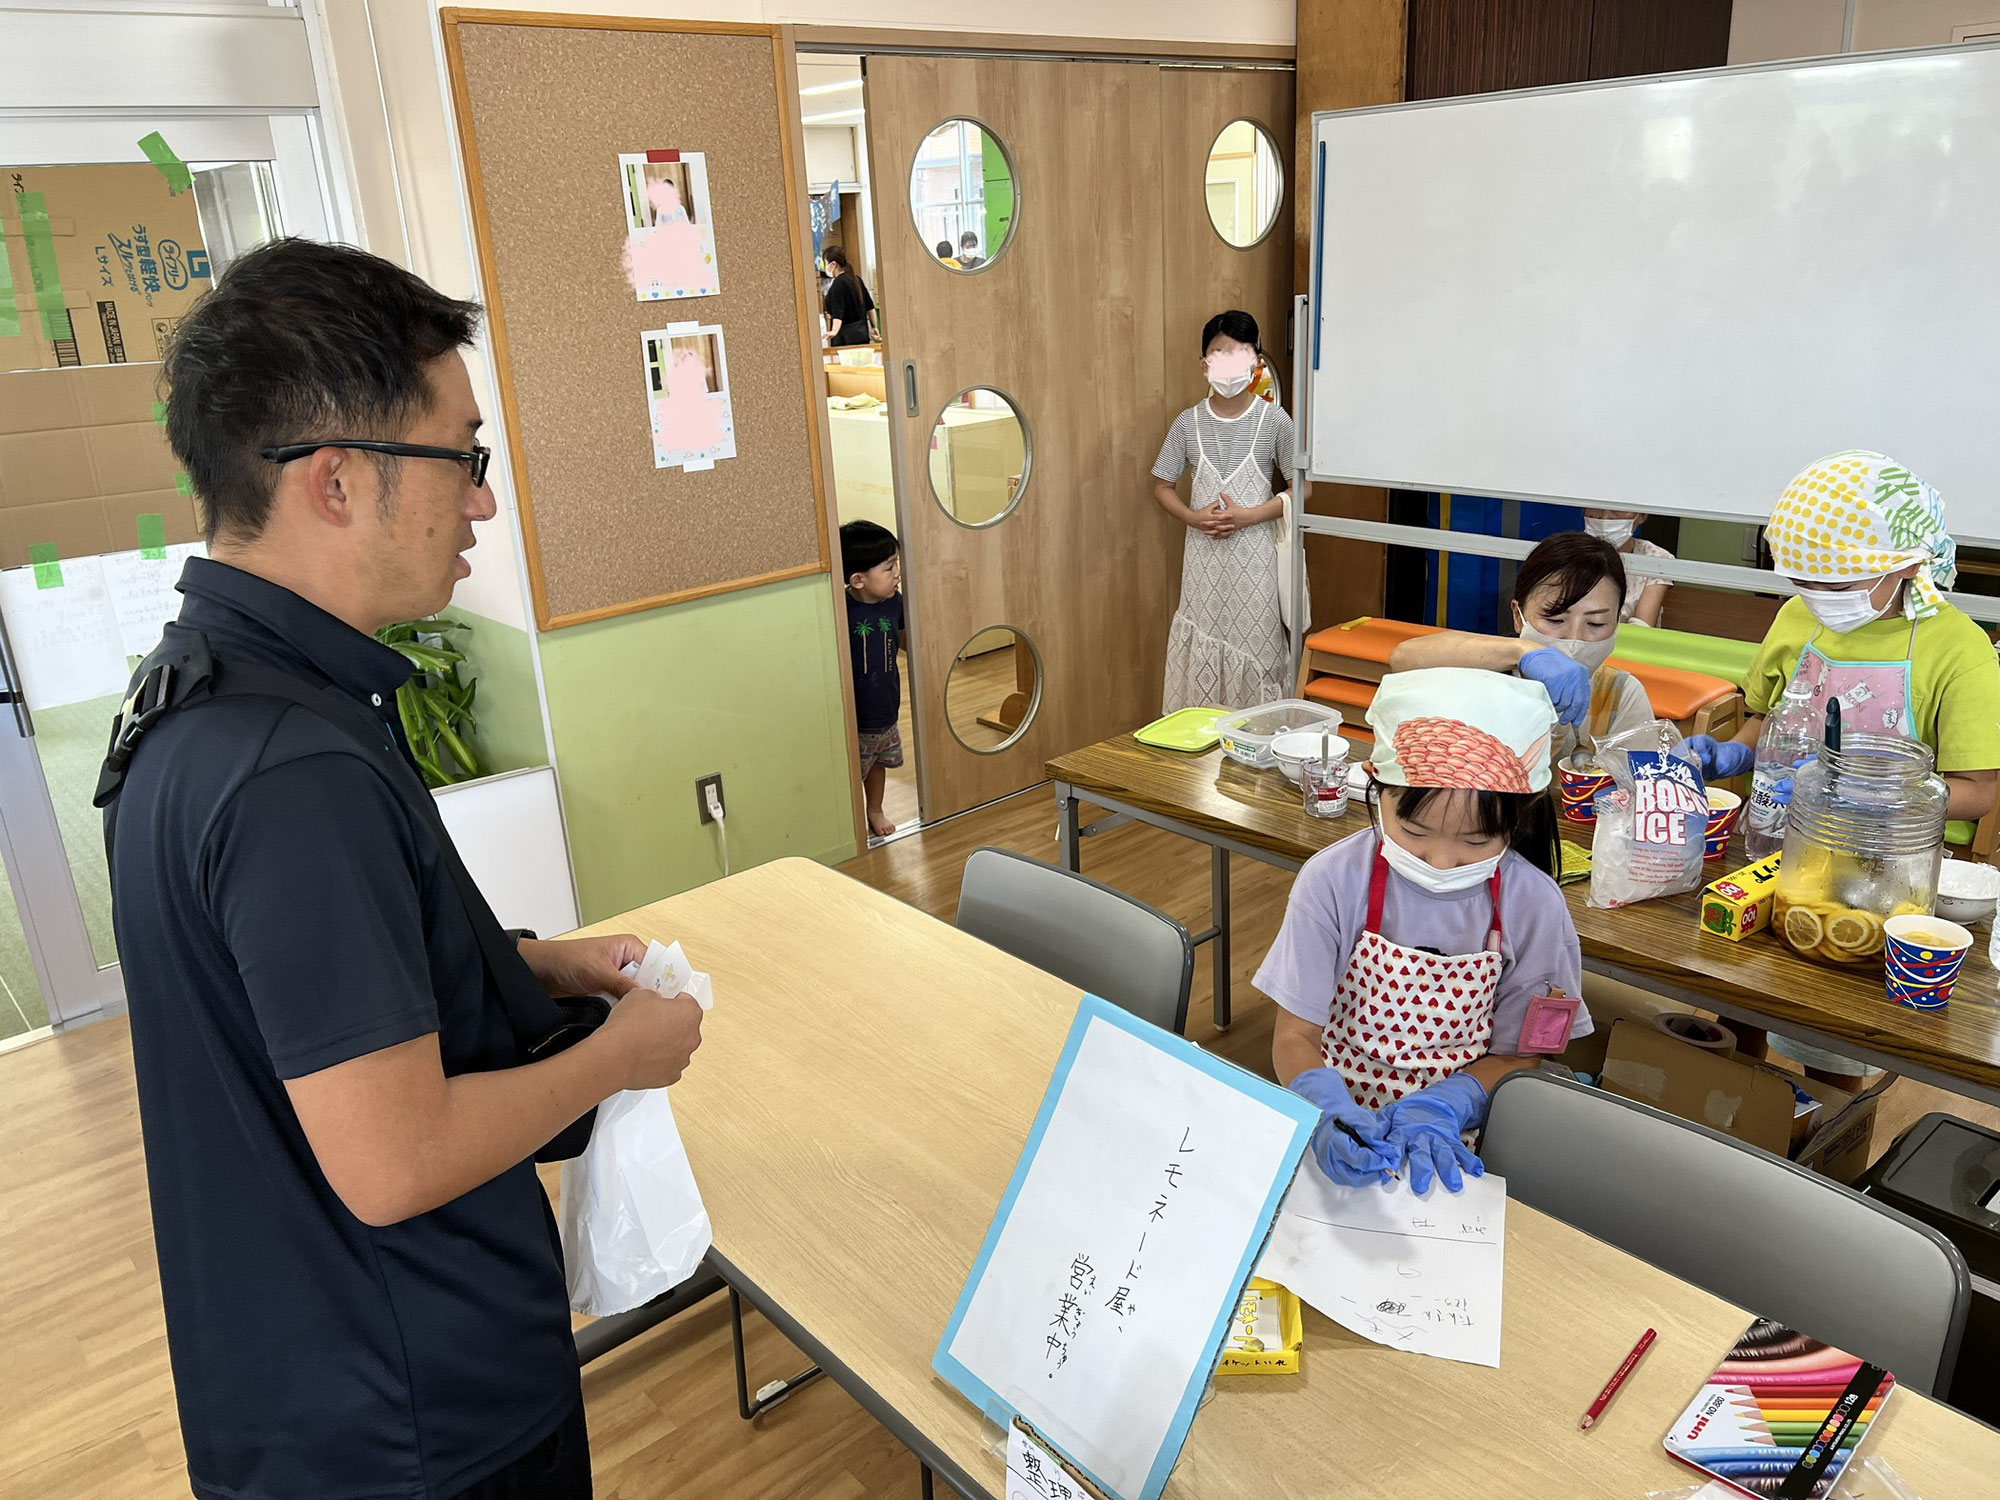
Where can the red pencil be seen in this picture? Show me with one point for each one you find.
(1611, 1386)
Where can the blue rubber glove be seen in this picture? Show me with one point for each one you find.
(1425, 1127)
(1345, 1160)
(1720, 759)
(1568, 682)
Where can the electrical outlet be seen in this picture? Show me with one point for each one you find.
(701, 787)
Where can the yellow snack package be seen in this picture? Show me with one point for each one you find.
(1741, 903)
(1266, 1333)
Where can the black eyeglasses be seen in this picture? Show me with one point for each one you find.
(475, 458)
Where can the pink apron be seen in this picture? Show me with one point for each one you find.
(1874, 695)
(1403, 1019)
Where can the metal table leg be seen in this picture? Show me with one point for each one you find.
(1219, 916)
(1067, 840)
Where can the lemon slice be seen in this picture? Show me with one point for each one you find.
(1858, 932)
(1910, 909)
(1803, 928)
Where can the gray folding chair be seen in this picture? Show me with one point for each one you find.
(1082, 931)
(1754, 1228)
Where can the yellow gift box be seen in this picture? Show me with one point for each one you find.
(1266, 1333)
(1739, 904)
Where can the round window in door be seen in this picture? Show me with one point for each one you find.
(993, 689)
(1244, 183)
(963, 196)
(980, 457)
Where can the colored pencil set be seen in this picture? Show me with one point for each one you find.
(1773, 1406)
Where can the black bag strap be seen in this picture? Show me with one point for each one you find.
(182, 670)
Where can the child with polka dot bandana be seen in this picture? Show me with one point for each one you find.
(1865, 541)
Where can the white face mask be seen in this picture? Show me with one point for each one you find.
(1592, 654)
(1229, 373)
(1618, 533)
(1848, 609)
(1428, 877)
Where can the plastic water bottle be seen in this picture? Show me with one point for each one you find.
(1791, 734)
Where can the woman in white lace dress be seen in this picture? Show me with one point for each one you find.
(1226, 646)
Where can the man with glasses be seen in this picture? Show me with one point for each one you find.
(363, 1289)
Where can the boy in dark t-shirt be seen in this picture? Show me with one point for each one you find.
(869, 557)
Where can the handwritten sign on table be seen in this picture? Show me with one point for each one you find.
(1422, 1274)
(1100, 1299)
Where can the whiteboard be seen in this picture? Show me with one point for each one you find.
(509, 832)
(1670, 294)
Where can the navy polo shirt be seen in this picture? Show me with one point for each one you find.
(278, 912)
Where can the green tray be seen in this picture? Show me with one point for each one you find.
(1190, 729)
(1715, 655)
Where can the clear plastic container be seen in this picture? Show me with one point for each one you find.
(1863, 843)
(1247, 733)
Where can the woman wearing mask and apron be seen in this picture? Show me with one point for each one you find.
(1413, 952)
(1226, 646)
(1567, 594)
(1865, 541)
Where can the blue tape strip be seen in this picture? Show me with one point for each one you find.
(1319, 250)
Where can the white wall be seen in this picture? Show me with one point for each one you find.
(1766, 30)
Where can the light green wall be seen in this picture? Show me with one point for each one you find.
(744, 683)
(1711, 541)
(509, 736)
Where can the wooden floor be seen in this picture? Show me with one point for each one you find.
(89, 1403)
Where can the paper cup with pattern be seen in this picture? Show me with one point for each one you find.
(1724, 808)
(1922, 961)
(1579, 791)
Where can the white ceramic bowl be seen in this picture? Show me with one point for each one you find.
(1968, 891)
(1297, 746)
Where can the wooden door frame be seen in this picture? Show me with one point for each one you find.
(890, 40)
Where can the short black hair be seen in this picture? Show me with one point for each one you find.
(864, 546)
(968, 238)
(944, 249)
(1575, 562)
(298, 340)
(1525, 819)
(1235, 324)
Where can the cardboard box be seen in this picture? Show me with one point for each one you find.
(1742, 901)
(81, 459)
(1743, 1098)
(127, 256)
(1266, 1334)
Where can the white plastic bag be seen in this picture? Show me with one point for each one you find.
(1650, 830)
(633, 1223)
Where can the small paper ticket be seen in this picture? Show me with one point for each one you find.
(666, 971)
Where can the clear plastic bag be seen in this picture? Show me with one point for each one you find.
(633, 1223)
(1650, 827)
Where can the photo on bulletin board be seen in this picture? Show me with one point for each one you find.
(669, 236)
(687, 392)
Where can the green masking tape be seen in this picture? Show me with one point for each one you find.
(41, 242)
(10, 320)
(48, 567)
(184, 485)
(153, 537)
(159, 413)
(161, 155)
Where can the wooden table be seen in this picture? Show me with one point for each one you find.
(865, 1085)
(1657, 944)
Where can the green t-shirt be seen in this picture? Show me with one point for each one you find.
(1954, 680)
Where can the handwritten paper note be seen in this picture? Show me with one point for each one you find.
(142, 592)
(1102, 1294)
(65, 639)
(1033, 1472)
(1422, 1274)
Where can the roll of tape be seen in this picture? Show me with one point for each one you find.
(1710, 1036)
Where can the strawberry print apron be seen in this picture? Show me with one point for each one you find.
(1403, 1019)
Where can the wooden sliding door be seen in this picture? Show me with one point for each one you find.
(1085, 323)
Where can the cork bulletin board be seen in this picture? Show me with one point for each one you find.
(545, 105)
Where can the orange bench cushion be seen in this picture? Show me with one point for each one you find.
(1676, 694)
(1368, 638)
